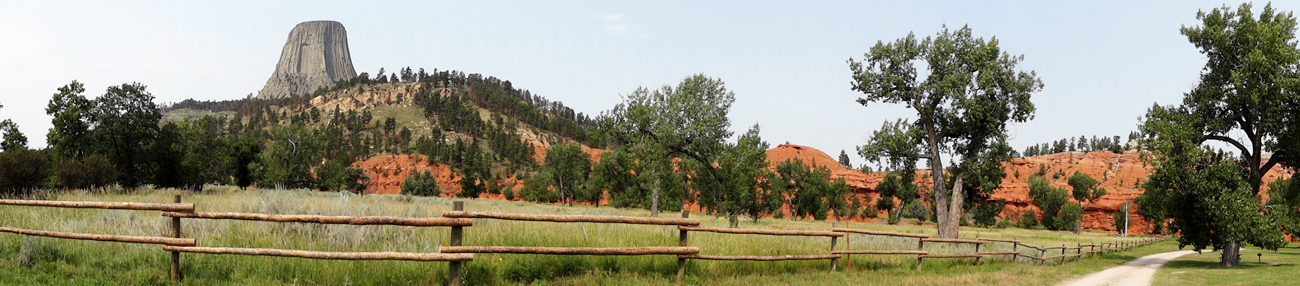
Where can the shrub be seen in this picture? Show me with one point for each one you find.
(870, 211)
(895, 216)
(1117, 220)
(1028, 219)
(917, 210)
(420, 184)
(94, 171)
(22, 170)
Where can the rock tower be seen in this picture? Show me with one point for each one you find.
(315, 55)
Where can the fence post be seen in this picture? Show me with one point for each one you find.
(977, 252)
(1062, 254)
(1042, 253)
(1078, 252)
(848, 245)
(920, 246)
(833, 238)
(681, 241)
(453, 267)
(1015, 246)
(176, 255)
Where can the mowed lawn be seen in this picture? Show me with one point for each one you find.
(1259, 267)
(28, 260)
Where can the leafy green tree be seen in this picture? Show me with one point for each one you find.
(1151, 206)
(807, 188)
(125, 121)
(962, 106)
(1246, 99)
(13, 139)
(1051, 200)
(838, 196)
(749, 191)
(568, 168)
(1085, 189)
(537, 189)
(290, 156)
(1284, 203)
(615, 173)
(986, 212)
(244, 155)
(688, 121)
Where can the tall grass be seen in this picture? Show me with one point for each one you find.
(34, 260)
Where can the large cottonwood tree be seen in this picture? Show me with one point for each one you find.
(963, 104)
(1247, 100)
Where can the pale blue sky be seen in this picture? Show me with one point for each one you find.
(1103, 63)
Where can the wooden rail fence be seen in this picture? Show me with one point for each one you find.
(455, 253)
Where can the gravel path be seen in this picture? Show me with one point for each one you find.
(1134, 273)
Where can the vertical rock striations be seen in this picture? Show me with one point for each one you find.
(315, 55)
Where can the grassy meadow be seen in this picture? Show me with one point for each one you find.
(38, 260)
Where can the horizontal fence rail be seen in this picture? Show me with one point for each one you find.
(102, 237)
(884, 233)
(572, 218)
(410, 256)
(954, 240)
(882, 252)
(178, 207)
(327, 219)
(761, 258)
(761, 231)
(651, 250)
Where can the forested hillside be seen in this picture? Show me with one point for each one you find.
(482, 127)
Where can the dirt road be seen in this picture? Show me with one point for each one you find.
(1134, 273)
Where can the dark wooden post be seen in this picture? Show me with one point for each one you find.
(681, 241)
(833, 238)
(176, 255)
(1015, 246)
(920, 246)
(453, 267)
(1078, 252)
(1062, 254)
(977, 252)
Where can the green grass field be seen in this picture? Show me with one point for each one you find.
(1271, 268)
(37, 260)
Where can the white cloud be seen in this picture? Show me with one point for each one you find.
(617, 24)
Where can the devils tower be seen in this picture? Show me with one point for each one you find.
(315, 55)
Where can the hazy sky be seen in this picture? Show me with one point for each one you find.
(1103, 63)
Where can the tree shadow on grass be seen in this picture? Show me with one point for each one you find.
(1245, 265)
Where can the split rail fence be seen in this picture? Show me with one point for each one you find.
(455, 254)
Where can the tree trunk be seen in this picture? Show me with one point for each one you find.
(946, 226)
(954, 209)
(1231, 254)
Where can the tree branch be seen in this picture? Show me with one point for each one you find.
(1273, 160)
(1244, 151)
